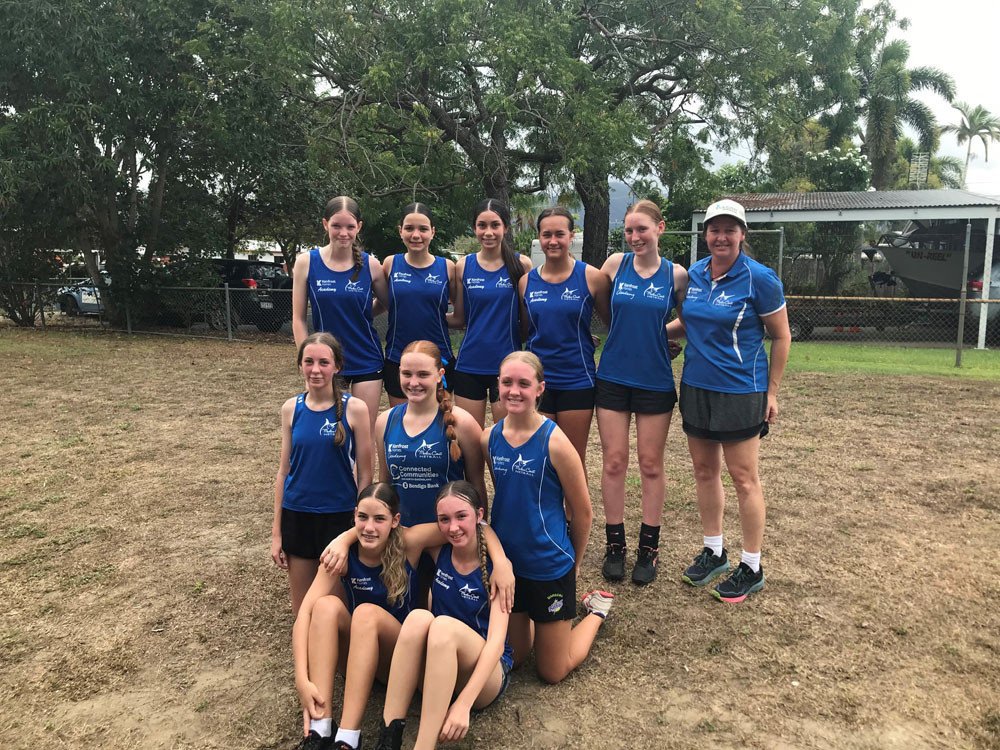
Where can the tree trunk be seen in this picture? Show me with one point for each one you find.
(595, 194)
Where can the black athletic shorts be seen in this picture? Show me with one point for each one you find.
(307, 534)
(626, 398)
(546, 601)
(555, 400)
(723, 417)
(361, 377)
(476, 386)
(390, 378)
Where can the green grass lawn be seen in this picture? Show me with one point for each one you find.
(893, 360)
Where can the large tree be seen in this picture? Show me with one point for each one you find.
(885, 99)
(975, 122)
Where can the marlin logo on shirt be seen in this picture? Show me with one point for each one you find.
(723, 300)
(424, 451)
(329, 429)
(570, 294)
(653, 291)
(468, 592)
(504, 283)
(354, 286)
(521, 466)
(432, 278)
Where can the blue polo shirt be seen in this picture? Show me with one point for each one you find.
(725, 331)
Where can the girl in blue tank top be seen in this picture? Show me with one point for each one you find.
(420, 288)
(487, 306)
(634, 377)
(462, 628)
(426, 442)
(559, 298)
(326, 453)
(356, 604)
(341, 282)
(539, 481)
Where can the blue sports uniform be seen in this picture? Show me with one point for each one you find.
(418, 466)
(725, 333)
(529, 515)
(321, 475)
(491, 309)
(635, 353)
(363, 585)
(418, 303)
(559, 328)
(464, 597)
(344, 308)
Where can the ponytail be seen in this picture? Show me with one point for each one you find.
(322, 337)
(443, 397)
(510, 258)
(467, 492)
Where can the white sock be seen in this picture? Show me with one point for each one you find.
(714, 543)
(350, 736)
(752, 560)
(322, 727)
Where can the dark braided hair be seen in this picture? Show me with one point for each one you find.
(513, 263)
(343, 203)
(465, 491)
(443, 397)
(322, 337)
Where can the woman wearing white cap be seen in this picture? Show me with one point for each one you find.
(728, 394)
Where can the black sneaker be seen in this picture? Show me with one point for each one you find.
(645, 566)
(391, 737)
(707, 565)
(614, 562)
(341, 745)
(313, 741)
(739, 585)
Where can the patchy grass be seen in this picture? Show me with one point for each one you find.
(141, 608)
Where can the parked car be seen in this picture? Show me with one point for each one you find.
(260, 293)
(81, 298)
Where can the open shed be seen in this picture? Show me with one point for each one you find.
(893, 205)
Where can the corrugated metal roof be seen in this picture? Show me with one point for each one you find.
(866, 200)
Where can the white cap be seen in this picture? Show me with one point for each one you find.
(726, 207)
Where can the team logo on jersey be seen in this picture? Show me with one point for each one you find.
(653, 292)
(355, 286)
(469, 593)
(476, 283)
(395, 472)
(521, 466)
(570, 295)
(624, 289)
(425, 450)
(401, 277)
(442, 579)
(326, 285)
(362, 583)
(432, 278)
(556, 603)
(541, 296)
(329, 429)
(500, 464)
(504, 283)
(724, 300)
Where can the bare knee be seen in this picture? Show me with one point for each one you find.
(441, 634)
(615, 462)
(415, 628)
(326, 610)
(551, 672)
(651, 467)
(746, 483)
(365, 619)
(706, 471)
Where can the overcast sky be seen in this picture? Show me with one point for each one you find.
(959, 37)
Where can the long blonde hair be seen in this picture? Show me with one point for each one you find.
(443, 397)
(394, 577)
(322, 337)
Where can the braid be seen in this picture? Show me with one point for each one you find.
(356, 254)
(483, 558)
(338, 401)
(448, 417)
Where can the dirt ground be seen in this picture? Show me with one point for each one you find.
(140, 608)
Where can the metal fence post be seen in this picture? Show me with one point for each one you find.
(962, 296)
(128, 318)
(229, 316)
(781, 253)
(38, 299)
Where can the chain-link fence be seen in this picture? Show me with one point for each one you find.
(246, 314)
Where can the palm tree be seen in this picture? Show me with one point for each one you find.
(885, 103)
(976, 122)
